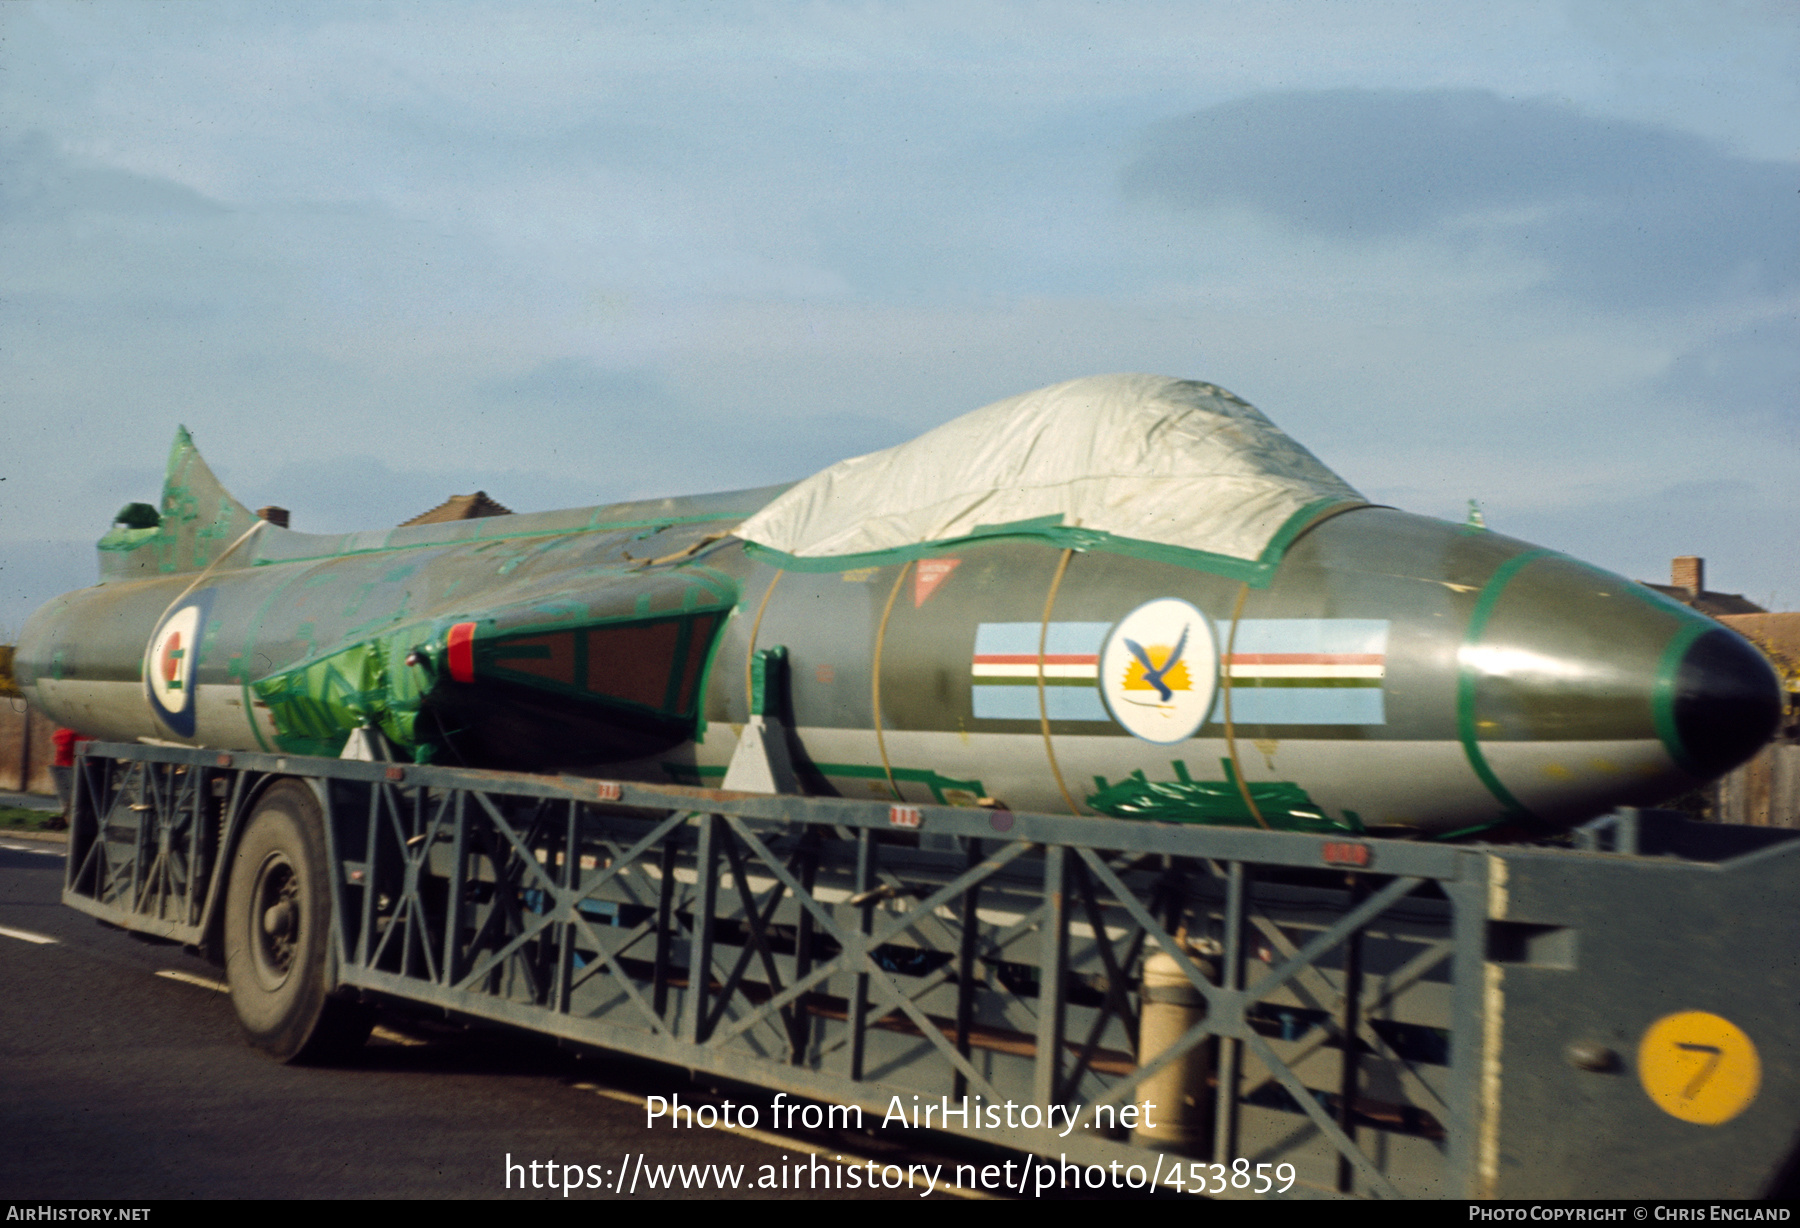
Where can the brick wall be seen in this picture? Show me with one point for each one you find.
(25, 749)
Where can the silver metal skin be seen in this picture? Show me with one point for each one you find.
(1388, 671)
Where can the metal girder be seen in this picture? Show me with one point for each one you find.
(814, 945)
(143, 846)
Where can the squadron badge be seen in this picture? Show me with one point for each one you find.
(1159, 668)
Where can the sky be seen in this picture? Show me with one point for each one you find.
(1545, 256)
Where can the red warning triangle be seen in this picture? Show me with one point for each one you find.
(928, 575)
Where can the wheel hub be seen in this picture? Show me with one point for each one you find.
(275, 912)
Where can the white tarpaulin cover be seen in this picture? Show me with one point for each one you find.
(1140, 457)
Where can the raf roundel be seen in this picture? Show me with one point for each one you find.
(1159, 670)
(169, 663)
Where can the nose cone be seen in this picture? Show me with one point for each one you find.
(1581, 691)
(1725, 703)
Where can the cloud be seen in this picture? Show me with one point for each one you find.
(655, 440)
(31, 572)
(1617, 212)
(37, 184)
(351, 492)
(1725, 521)
(571, 383)
(1752, 373)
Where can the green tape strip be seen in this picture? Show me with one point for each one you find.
(252, 635)
(490, 537)
(1662, 695)
(692, 774)
(1257, 572)
(1668, 668)
(1465, 680)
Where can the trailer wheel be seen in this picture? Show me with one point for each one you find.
(278, 934)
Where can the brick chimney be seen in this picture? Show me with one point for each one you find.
(1688, 572)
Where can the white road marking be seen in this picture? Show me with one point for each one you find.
(788, 1144)
(398, 1038)
(388, 1034)
(26, 936)
(188, 978)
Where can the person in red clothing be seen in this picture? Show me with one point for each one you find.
(62, 768)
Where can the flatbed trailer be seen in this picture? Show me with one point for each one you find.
(1345, 1016)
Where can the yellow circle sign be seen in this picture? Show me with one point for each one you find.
(1699, 1067)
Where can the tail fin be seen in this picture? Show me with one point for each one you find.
(196, 522)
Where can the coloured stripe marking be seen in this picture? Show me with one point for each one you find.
(1283, 671)
(1004, 672)
(1306, 671)
(461, 651)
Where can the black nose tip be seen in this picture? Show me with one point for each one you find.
(1727, 703)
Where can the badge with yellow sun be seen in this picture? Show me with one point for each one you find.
(1159, 670)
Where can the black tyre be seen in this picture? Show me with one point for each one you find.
(278, 934)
